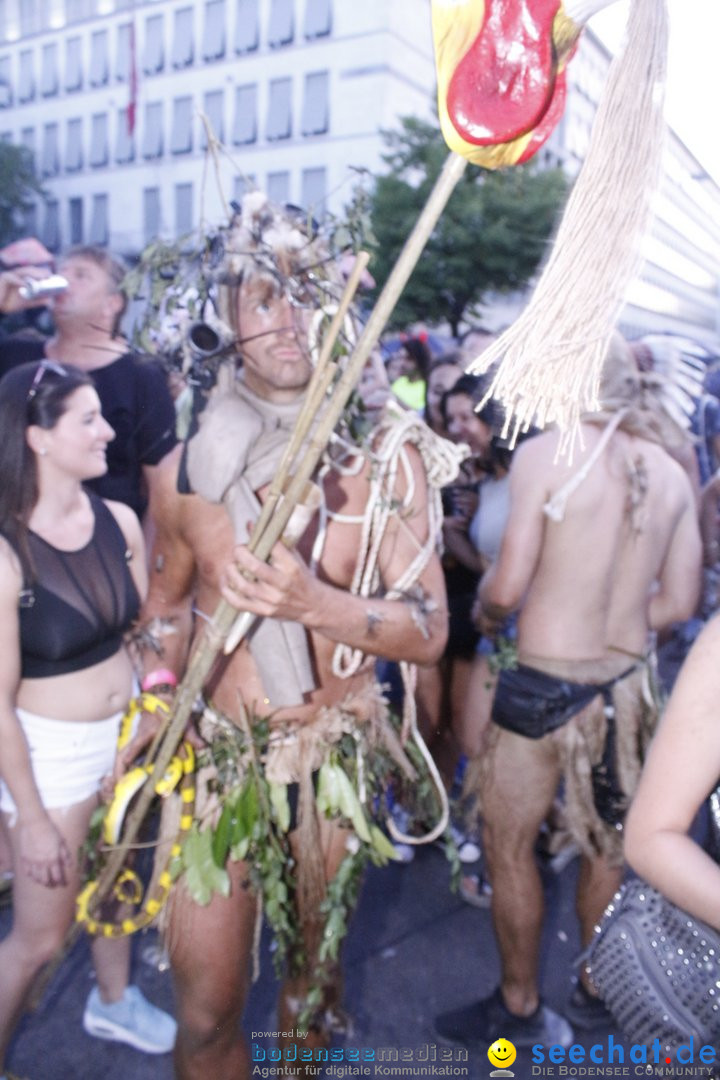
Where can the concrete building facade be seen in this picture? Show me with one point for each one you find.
(110, 96)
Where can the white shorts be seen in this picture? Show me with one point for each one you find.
(68, 760)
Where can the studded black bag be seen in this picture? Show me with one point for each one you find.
(657, 969)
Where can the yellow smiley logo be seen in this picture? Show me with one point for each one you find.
(502, 1053)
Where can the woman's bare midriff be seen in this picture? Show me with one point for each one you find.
(84, 696)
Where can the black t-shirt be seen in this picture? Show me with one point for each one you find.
(136, 402)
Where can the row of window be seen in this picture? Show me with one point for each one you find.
(36, 15)
(278, 125)
(151, 59)
(96, 230)
(88, 220)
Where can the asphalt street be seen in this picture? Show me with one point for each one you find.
(415, 949)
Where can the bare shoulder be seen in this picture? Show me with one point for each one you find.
(126, 518)
(668, 472)
(165, 498)
(11, 576)
(534, 453)
(173, 512)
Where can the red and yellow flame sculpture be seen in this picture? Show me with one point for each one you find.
(501, 67)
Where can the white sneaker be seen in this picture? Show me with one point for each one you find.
(467, 849)
(132, 1020)
(405, 853)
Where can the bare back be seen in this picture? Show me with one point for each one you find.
(628, 533)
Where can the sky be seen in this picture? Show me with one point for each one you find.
(692, 96)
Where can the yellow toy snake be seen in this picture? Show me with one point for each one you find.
(128, 887)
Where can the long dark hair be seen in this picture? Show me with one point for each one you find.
(34, 393)
(419, 352)
(475, 387)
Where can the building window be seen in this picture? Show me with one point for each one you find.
(245, 126)
(314, 191)
(151, 214)
(279, 123)
(26, 82)
(75, 208)
(50, 153)
(214, 37)
(73, 64)
(183, 209)
(278, 187)
(99, 58)
(27, 139)
(51, 226)
(30, 220)
(182, 54)
(247, 27)
(99, 140)
(28, 17)
(154, 56)
(242, 185)
(281, 28)
(76, 10)
(124, 139)
(49, 67)
(213, 107)
(318, 18)
(99, 225)
(181, 136)
(6, 97)
(123, 54)
(315, 105)
(73, 146)
(153, 137)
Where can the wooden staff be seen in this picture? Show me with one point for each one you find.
(263, 541)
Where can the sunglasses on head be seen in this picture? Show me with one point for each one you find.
(43, 366)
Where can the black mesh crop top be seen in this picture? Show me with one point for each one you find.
(75, 605)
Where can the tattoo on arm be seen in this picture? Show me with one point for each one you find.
(422, 606)
(150, 635)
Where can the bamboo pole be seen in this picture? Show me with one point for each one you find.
(215, 633)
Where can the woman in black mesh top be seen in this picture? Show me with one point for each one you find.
(72, 574)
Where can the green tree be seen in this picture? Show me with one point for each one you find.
(493, 233)
(19, 185)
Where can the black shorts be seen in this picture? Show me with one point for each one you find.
(533, 703)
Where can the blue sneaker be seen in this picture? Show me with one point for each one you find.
(131, 1020)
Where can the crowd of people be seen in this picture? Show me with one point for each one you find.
(528, 591)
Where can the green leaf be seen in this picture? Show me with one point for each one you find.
(202, 875)
(350, 804)
(280, 805)
(381, 844)
(221, 836)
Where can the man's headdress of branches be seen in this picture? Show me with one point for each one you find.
(189, 288)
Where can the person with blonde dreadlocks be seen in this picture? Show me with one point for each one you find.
(597, 553)
(295, 707)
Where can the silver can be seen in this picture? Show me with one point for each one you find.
(38, 288)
